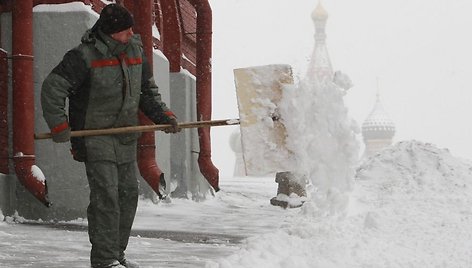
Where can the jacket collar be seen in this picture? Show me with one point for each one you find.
(103, 42)
(115, 47)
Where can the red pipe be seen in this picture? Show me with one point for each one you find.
(157, 18)
(158, 14)
(129, 4)
(171, 34)
(4, 166)
(143, 25)
(203, 66)
(23, 101)
(147, 164)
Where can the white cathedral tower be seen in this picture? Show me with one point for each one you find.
(378, 129)
(320, 67)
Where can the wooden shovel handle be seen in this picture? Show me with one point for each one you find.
(146, 128)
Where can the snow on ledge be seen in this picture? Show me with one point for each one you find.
(68, 7)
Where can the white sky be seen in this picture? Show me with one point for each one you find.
(419, 50)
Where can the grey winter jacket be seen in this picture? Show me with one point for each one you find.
(106, 82)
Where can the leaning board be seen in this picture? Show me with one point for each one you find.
(259, 92)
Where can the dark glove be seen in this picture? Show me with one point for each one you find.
(174, 128)
(61, 133)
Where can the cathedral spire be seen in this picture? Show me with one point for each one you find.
(320, 65)
(319, 13)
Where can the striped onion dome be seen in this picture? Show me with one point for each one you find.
(378, 124)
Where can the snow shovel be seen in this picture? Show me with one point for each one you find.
(145, 128)
(263, 136)
(151, 180)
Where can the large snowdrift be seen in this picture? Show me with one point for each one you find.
(411, 207)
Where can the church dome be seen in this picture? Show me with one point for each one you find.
(378, 124)
(319, 13)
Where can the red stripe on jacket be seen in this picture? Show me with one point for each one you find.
(169, 114)
(114, 62)
(59, 128)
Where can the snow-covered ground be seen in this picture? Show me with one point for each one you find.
(182, 233)
(411, 206)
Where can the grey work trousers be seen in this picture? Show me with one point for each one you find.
(112, 208)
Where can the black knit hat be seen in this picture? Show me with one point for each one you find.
(114, 18)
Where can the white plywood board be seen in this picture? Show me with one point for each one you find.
(263, 136)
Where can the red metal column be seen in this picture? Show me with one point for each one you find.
(204, 42)
(143, 25)
(129, 4)
(23, 101)
(147, 164)
(157, 14)
(171, 34)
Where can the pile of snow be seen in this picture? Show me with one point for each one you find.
(411, 207)
(416, 200)
(316, 140)
(15, 218)
(323, 140)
